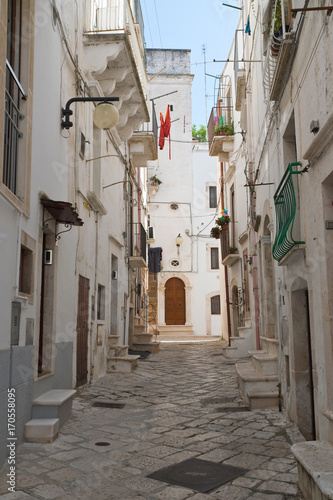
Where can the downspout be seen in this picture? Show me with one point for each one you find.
(95, 298)
(226, 280)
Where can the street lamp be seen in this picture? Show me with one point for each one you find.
(106, 115)
(179, 240)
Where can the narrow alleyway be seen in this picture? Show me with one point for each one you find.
(176, 407)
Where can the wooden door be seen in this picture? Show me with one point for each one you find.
(82, 332)
(175, 302)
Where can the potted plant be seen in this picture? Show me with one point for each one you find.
(233, 250)
(154, 181)
(224, 219)
(227, 129)
(215, 232)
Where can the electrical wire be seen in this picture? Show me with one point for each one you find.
(147, 18)
(158, 25)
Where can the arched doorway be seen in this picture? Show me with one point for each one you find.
(235, 311)
(175, 313)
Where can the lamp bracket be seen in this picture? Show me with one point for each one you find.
(66, 112)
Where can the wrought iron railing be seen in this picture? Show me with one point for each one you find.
(221, 120)
(151, 126)
(139, 241)
(225, 242)
(12, 132)
(286, 209)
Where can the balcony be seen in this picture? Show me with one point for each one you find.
(138, 246)
(114, 59)
(220, 131)
(229, 254)
(143, 143)
(286, 203)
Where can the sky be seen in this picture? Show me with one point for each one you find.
(185, 24)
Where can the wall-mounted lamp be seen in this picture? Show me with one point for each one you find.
(105, 115)
(179, 240)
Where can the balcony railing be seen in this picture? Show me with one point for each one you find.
(287, 214)
(221, 120)
(151, 126)
(119, 17)
(228, 257)
(138, 246)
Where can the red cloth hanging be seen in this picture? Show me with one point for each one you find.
(165, 130)
(162, 137)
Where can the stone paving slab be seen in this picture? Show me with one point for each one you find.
(170, 415)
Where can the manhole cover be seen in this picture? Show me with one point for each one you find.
(198, 475)
(232, 409)
(102, 443)
(102, 404)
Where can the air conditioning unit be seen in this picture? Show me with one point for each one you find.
(151, 234)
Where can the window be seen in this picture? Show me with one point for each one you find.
(212, 197)
(215, 304)
(101, 302)
(15, 135)
(13, 96)
(26, 271)
(214, 258)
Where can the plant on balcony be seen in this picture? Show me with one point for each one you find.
(224, 219)
(154, 181)
(233, 250)
(227, 129)
(215, 232)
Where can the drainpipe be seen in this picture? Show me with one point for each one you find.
(226, 280)
(280, 344)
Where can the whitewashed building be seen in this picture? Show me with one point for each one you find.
(185, 293)
(72, 201)
(286, 115)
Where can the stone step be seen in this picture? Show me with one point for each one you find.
(262, 400)
(56, 403)
(123, 364)
(41, 430)
(242, 345)
(113, 340)
(140, 329)
(115, 351)
(143, 337)
(266, 364)
(251, 381)
(175, 330)
(271, 346)
(152, 347)
(315, 471)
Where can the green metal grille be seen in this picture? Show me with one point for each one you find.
(285, 209)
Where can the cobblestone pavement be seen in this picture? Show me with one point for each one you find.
(171, 413)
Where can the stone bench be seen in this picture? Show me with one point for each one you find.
(315, 469)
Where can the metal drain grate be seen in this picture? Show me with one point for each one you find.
(232, 409)
(198, 475)
(102, 404)
(216, 401)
